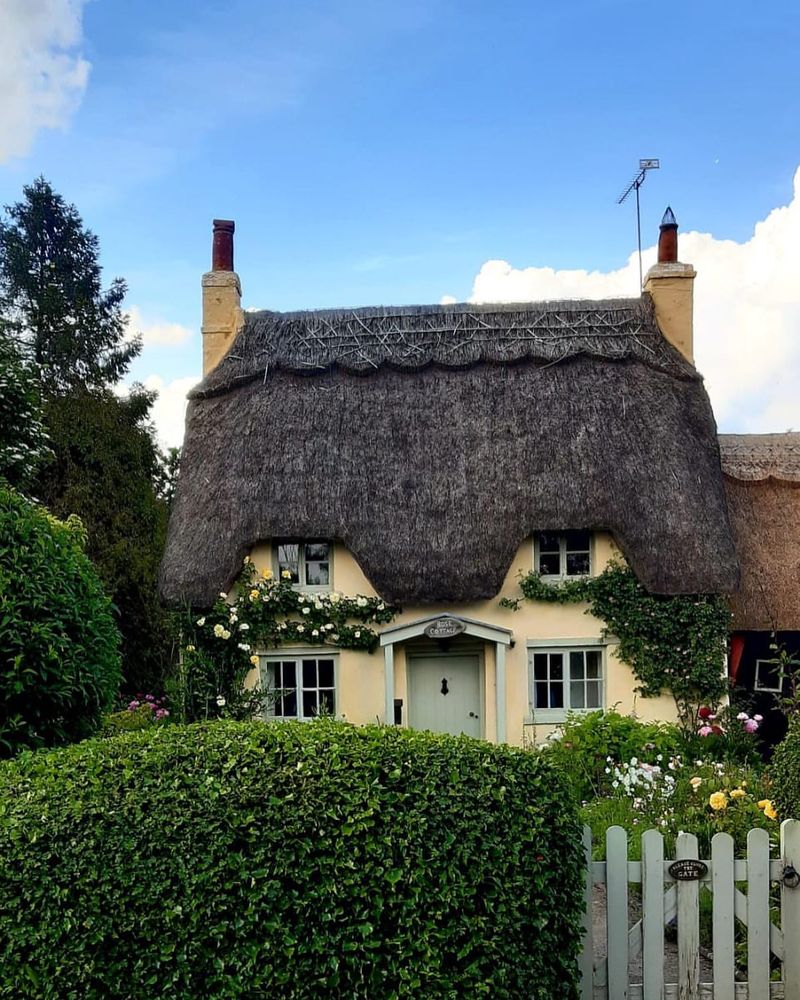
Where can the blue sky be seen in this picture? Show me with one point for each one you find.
(375, 152)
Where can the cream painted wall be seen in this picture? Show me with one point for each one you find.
(361, 675)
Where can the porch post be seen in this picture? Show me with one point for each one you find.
(388, 673)
(500, 689)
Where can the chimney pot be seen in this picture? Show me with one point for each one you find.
(222, 245)
(668, 238)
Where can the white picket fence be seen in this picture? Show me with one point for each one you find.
(741, 892)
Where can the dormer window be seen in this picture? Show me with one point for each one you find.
(559, 555)
(307, 562)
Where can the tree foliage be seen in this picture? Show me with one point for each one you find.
(59, 646)
(105, 468)
(51, 295)
(23, 437)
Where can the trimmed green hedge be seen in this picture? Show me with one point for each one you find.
(785, 772)
(290, 860)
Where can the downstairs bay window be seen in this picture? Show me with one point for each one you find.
(299, 687)
(564, 679)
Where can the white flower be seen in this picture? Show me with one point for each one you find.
(234, 618)
(244, 627)
(361, 602)
(306, 611)
(335, 598)
(244, 646)
(246, 560)
(357, 634)
(226, 634)
(201, 622)
(221, 701)
(315, 632)
(218, 630)
(300, 599)
(223, 595)
(381, 606)
(301, 628)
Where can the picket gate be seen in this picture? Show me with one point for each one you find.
(740, 891)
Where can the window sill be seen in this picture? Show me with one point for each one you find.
(554, 716)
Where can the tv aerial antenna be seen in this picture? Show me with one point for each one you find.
(635, 184)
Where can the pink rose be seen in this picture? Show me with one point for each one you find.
(704, 731)
(750, 726)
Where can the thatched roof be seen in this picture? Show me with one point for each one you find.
(762, 480)
(433, 440)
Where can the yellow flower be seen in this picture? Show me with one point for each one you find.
(718, 800)
(254, 660)
(769, 809)
(190, 649)
(254, 595)
(286, 574)
(738, 793)
(246, 560)
(266, 573)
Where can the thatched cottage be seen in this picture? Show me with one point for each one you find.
(762, 481)
(430, 455)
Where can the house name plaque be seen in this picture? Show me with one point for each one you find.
(444, 628)
(688, 870)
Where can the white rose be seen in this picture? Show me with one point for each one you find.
(315, 632)
(226, 634)
(244, 646)
(201, 622)
(306, 611)
(244, 627)
(301, 628)
(223, 595)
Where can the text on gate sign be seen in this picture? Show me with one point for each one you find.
(688, 870)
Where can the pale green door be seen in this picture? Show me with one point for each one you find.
(444, 694)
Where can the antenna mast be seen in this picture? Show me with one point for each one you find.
(635, 184)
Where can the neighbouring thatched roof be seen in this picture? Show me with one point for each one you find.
(762, 480)
(433, 440)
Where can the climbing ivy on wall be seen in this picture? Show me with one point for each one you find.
(674, 644)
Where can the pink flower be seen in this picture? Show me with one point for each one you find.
(704, 731)
(750, 726)
(742, 716)
(759, 718)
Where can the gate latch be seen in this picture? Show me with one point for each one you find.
(790, 877)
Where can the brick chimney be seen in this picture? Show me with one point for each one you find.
(671, 286)
(222, 298)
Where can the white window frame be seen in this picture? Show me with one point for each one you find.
(565, 647)
(298, 656)
(760, 687)
(324, 588)
(562, 557)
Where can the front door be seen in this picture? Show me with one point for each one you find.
(444, 694)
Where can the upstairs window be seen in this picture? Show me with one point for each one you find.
(563, 554)
(307, 562)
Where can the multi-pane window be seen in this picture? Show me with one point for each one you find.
(566, 680)
(768, 676)
(300, 687)
(308, 563)
(565, 553)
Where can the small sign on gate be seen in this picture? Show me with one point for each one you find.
(688, 870)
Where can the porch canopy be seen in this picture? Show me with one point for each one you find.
(446, 626)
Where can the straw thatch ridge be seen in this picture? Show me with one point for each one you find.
(761, 456)
(762, 481)
(408, 338)
(434, 451)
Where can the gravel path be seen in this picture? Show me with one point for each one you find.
(635, 967)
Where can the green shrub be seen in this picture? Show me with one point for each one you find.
(586, 741)
(785, 771)
(232, 859)
(59, 646)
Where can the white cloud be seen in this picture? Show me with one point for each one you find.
(448, 300)
(42, 72)
(747, 313)
(157, 331)
(169, 410)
